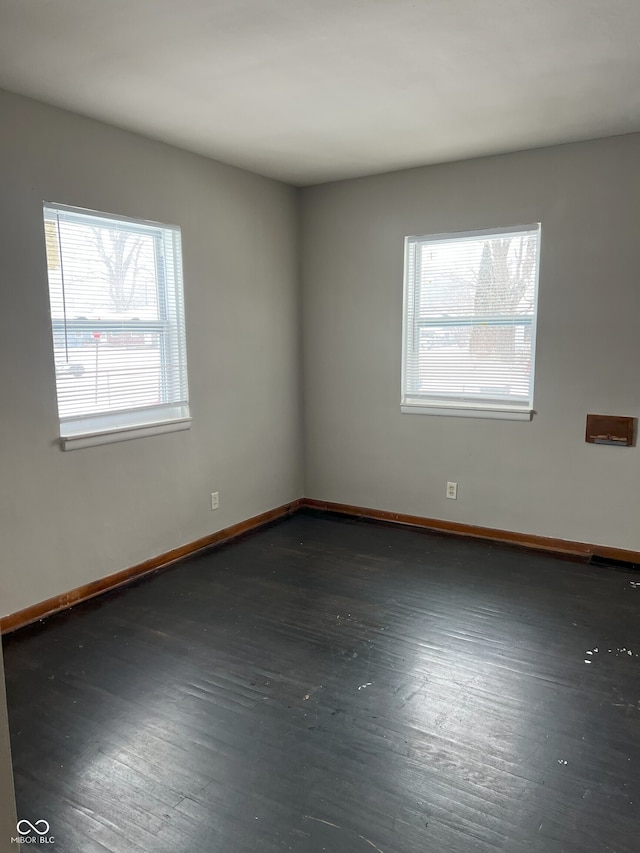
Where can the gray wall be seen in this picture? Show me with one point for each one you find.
(7, 800)
(69, 518)
(537, 477)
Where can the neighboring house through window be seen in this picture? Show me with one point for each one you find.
(117, 318)
(470, 305)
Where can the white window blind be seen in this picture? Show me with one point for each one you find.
(470, 304)
(117, 317)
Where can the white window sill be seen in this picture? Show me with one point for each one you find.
(476, 410)
(77, 440)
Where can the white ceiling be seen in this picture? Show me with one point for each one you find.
(315, 90)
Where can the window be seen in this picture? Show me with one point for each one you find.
(469, 323)
(117, 317)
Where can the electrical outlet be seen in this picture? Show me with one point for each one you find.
(215, 500)
(452, 491)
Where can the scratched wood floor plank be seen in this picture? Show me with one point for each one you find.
(332, 684)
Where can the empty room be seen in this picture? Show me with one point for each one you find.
(320, 482)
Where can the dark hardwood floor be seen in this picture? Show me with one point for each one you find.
(333, 685)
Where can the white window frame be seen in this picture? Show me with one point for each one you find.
(416, 404)
(124, 424)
